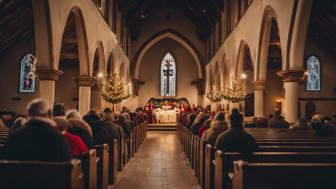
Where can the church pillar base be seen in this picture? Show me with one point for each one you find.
(291, 80)
(259, 87)
(84, 86)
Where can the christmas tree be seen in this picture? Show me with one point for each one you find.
(113, 90)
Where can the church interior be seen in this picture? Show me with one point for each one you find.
(167, 94)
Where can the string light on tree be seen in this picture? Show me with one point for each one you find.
(113, 90)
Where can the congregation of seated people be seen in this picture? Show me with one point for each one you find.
(231, 141)
(54, 134)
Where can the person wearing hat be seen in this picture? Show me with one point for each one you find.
(236, 139)
(217, 126)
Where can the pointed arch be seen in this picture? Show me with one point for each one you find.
(264, 40)
(82, 42)
(99, 65)
(176, 36)
(244, 60)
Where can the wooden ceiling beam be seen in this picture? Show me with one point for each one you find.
(69, 55)
(71, 40)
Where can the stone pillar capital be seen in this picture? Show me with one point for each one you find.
(48, 74)
(291, 75)
(85, 81)
(259, 85)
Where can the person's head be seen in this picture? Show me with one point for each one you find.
(73, 114)
(58, 109)
(62, 124)
(220, 116)
(108, 110)
(270, 116)
(91, 116)
(207, 123)
(38, 108)
(236, 118)
(317, 118)
(277, 111)
(18, 123)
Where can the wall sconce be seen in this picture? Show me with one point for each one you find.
(243, 76)
(100, 75)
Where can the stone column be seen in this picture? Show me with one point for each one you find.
(259, 87)
(47, 78)
(84, 86)
(291, 80)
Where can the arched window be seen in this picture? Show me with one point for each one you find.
(314, 74)
(168, 75)
(27, 74)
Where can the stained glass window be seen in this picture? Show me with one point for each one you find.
(168, 75)
(313, 77)
(27, 75)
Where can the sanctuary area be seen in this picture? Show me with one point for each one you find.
(167, 94)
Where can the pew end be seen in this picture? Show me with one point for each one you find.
(40, 175)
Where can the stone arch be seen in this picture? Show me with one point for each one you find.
(110, 67)
(265, 32)
(243, 52)
(98, 72)
(217, 76)
(84, 68)
(98, 63)
(179, 38)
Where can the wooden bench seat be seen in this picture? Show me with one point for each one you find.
(283, 175)
(89, 167)
(41, 175)
(224, 161)
(102, 166)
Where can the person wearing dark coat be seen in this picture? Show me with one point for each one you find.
(321, 127)
(192, 118)
(197, 125)
(126, 127)
(38, 139)
(77, 129)
(277, 121)
(58, 110)
(101, 134)
(236, 139)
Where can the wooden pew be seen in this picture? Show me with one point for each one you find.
(283, 175)
(224, 161)
(41, 175)
(297, 148)
(209, 174)
(113, 162)
(89, 167)
(102, 166)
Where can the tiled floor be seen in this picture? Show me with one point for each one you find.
(159, 164)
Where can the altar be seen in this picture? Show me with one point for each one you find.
(166, 115)
(166, 110)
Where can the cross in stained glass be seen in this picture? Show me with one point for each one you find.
(168, 73)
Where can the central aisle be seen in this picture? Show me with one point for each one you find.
(159, 164)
